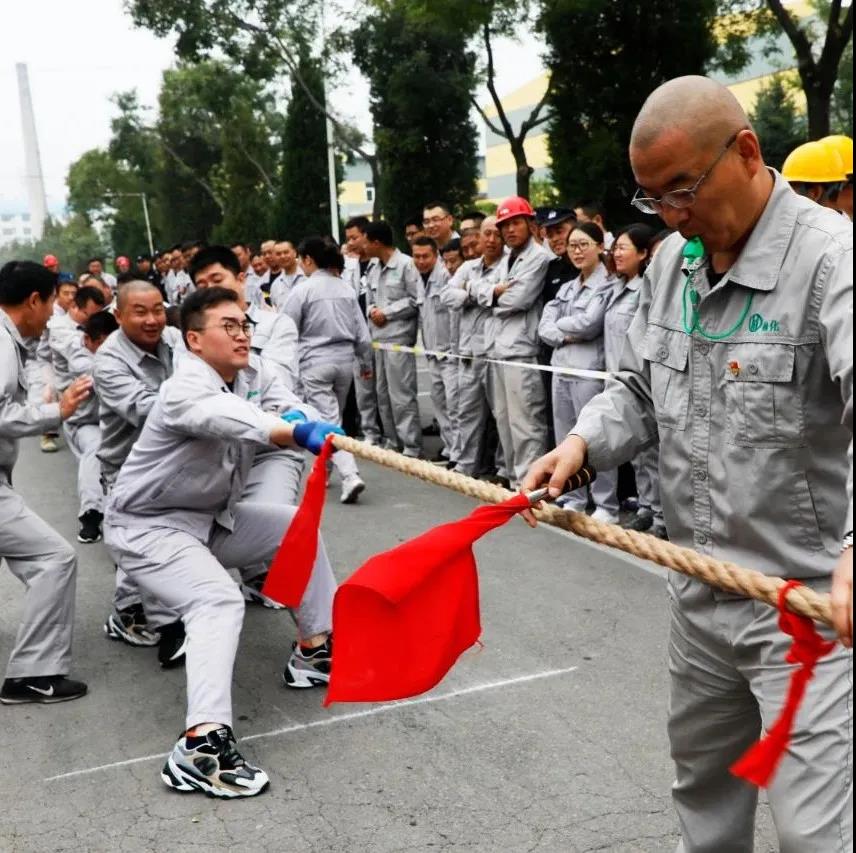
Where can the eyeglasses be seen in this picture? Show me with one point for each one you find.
(231, 328)
(580, 246)
(680, 199)
(433, 220)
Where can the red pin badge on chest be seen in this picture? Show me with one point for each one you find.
(734, 367)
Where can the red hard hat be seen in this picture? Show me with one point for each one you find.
(511, 207)
(123, 260)
(50, 261)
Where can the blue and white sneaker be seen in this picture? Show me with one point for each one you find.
(211, 763)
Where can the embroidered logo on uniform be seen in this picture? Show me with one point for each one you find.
(758, 324)
(251, 394)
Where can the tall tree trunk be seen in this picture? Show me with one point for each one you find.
(818, 105)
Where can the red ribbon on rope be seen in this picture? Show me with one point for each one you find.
(291, 567)
(759, 763)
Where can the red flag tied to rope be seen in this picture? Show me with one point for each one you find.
(758, 765)
(292, 564)
(405, 616)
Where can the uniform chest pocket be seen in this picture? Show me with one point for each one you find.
(392, 288)
(667, 352)
(763, 403)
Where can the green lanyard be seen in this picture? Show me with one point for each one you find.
(694, 251)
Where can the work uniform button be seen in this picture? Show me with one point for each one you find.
(753, 368)
(701, 475)
(701, 539)
(662, 352)
(701, 411)
(702, 349)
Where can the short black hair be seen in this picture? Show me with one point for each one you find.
(478, 215)
(125, 277)
(590, 208)
(441, 204)
(414, 220)
(211, 255)
(361, 222)
(380, 232)
(426, 241)
(88, 294)
(454, 245)
(66, 282)
(192, 244)
(95, 258)
(194, 307)
(19, 279)
(100, 325)
(591, 229)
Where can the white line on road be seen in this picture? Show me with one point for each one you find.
(340, 718)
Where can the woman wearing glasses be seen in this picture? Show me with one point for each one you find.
(572, 324)
(631, 253)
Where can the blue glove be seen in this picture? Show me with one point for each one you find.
(293, 416)
(312, 434)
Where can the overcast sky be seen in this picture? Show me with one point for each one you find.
(80, 53)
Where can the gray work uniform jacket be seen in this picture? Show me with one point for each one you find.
(17, 417)
(577, 313)
(621, 305)
(189, 466)
(81, 362)
(127, 380)
(461, 297)
(512, 331)
(283, 285)
(397, 290)
(63, 335)
(330, 326)
(275, 339)
(436, 321)
(755, 429)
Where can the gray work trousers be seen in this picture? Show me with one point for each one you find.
(365, 390)
(444, 398)
(326, 386)
(728, 681)
(47, 566)
(190, 577)
(397, 400)
(84, 440)
(569, 397)
(473, 409)
(520, 409)
(646, 468)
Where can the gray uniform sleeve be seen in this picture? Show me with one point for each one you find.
(620, 421)
(408, 305)
(363, 342)
(276, 397)
(456, 294)
(587, 324)
(118, 390)
(526, 283)
(836, 331)
(281, 348)
(293, 307)
(20, 419)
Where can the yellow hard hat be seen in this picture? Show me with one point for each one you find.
(814, 163)
(844, 146)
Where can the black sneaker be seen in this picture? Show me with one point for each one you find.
(90, 526)
(171, 645)
(309, 667)
(130, 626)
(44, 689)
(642, 521)
(211, 763)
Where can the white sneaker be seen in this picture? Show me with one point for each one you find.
(604, 515)
(352, 488)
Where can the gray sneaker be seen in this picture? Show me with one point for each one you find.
(211, 763)
(130, 626)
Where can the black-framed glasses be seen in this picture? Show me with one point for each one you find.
(232, 328)
(684, 198)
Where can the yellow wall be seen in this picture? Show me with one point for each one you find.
(499, 160)
(352, 192)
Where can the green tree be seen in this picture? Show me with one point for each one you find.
(302, 205)
(604, 59)
(420, 76)
(778, 122)
(842, 95)
(73, 242)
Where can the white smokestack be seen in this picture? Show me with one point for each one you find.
(35, 180)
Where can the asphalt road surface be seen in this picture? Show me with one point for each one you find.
(549, 738)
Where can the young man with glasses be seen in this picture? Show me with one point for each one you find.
(740, 358)
(177, 518)
(438, 222)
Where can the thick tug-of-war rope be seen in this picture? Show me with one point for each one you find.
(726, 576)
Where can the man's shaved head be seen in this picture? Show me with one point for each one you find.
(133, 288)
(698, 107)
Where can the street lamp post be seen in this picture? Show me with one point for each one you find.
(141, 196)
